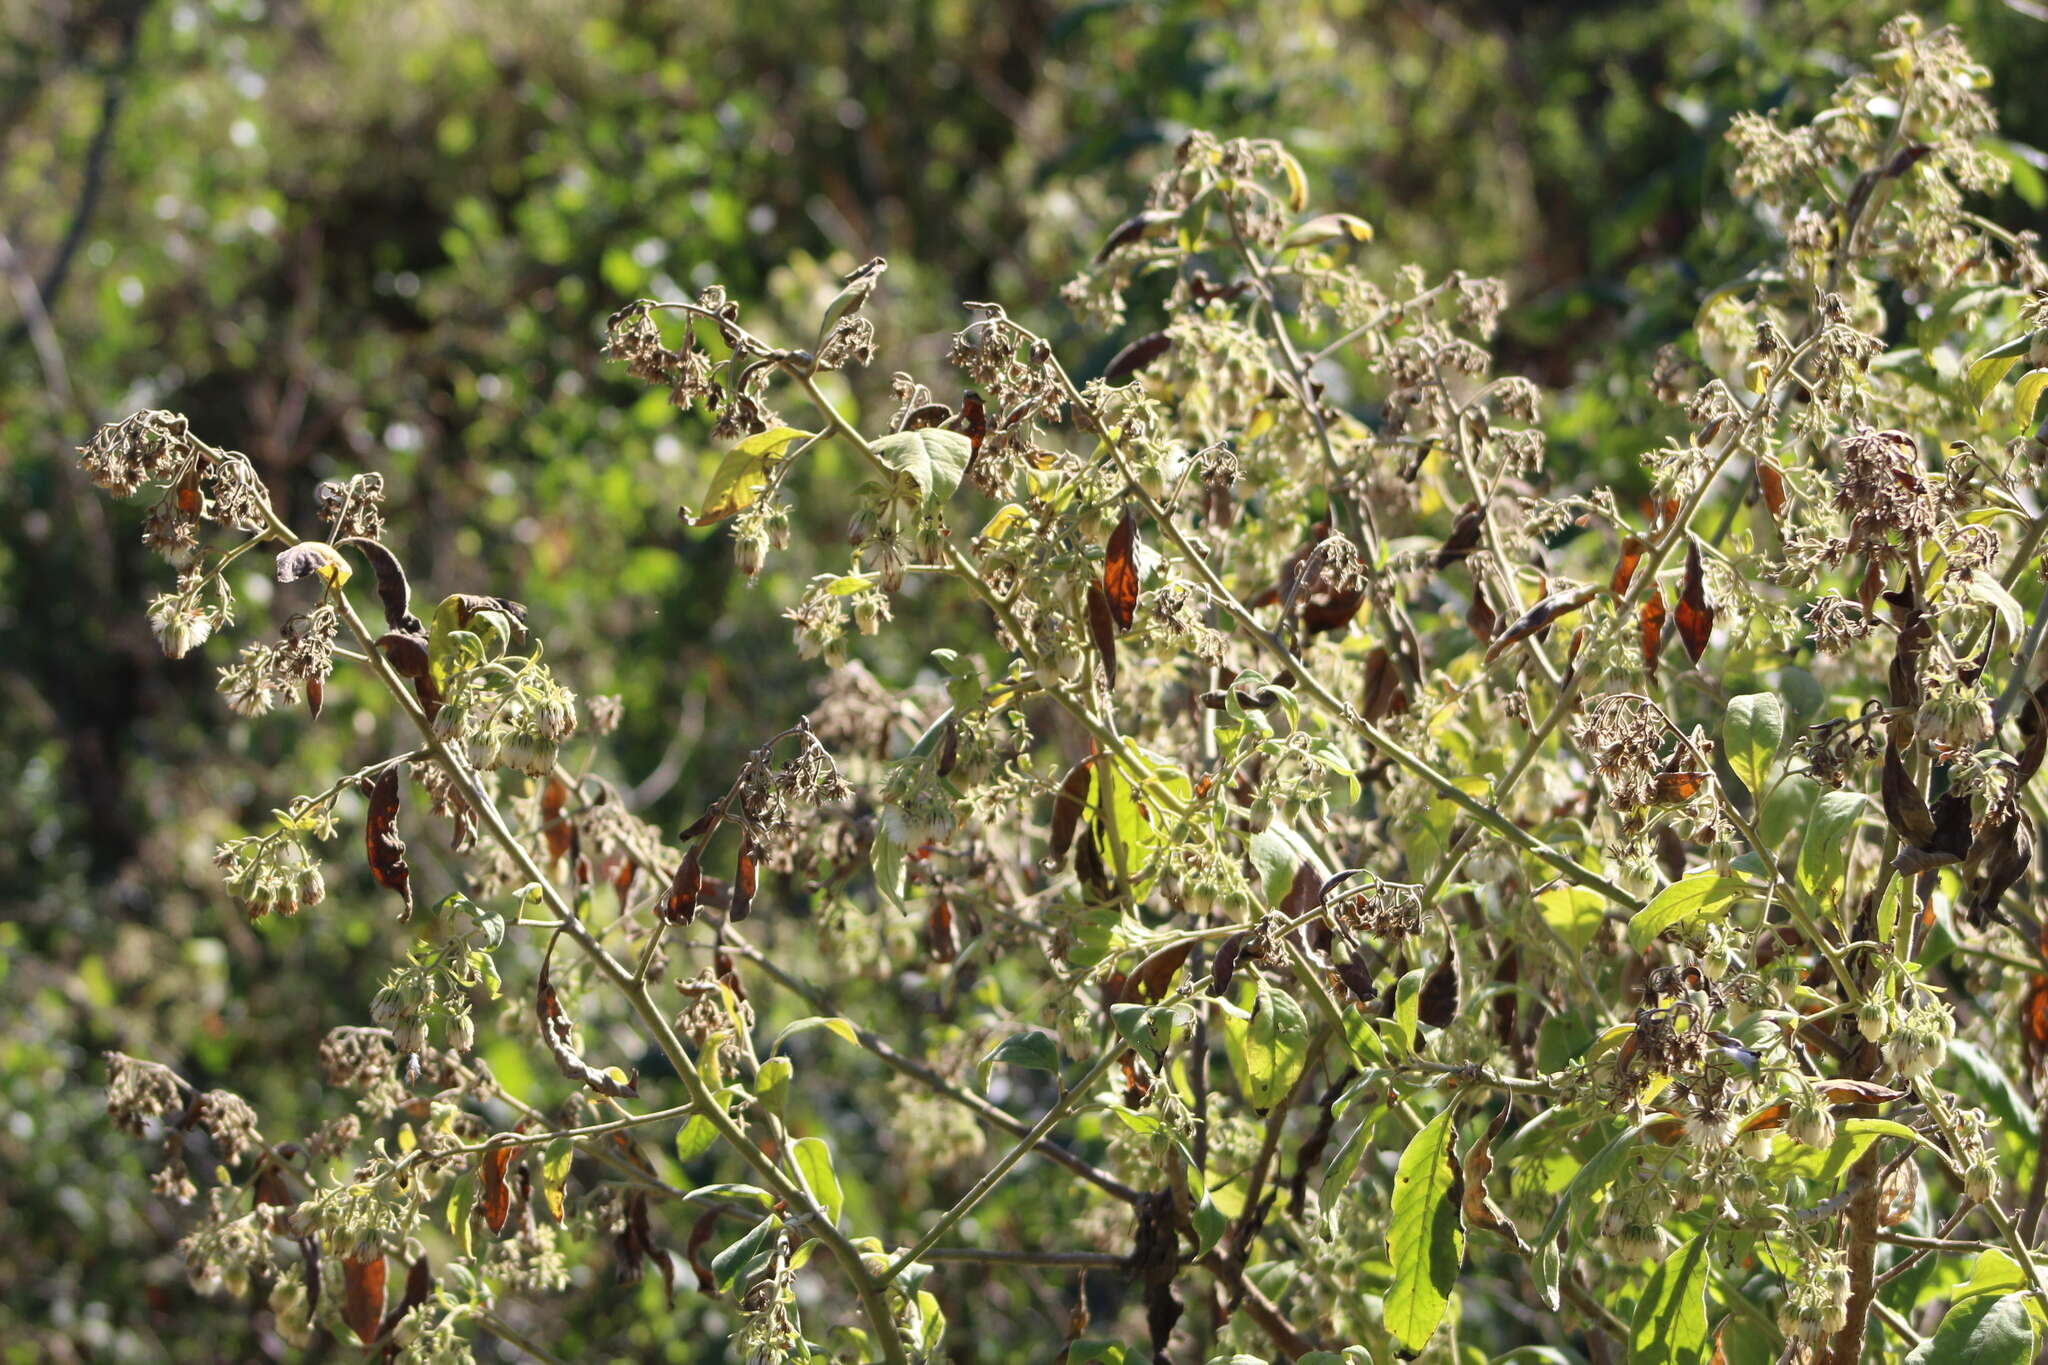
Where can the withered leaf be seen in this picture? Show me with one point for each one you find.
(1905, 809)
(1149, 980)
(1067, 807)
(949, 748)
(494, 1194)
(468, 604)
(1951, 841)
(1357, 979)
(1225, 966)
(1771, 480)
(314, 557)
(1676, 787)
(700, 1237)
(1464, 536)
(1858, 1092)
(556, 827)
(1544, 613)
(1651, 621)
(940, 938)
(1304, 893)
(316, 697)
(1999, 857)
(1625, 571)
(407, 652)
(381, 841)
(1480, 1210)
(1134, 228)
(392, 589)
(190, 500)
(1480, 618)
(1102, 631)
(1695, 613)
(972, 421)
(419, 1282)
(679, 904)
(1437, 1005)
(362, 1305)
(930, 415)
(2034, 730)
(746, 873)
(1136, 356)
(703, 824)
(558, 1033)
(1120, 572)
(1384, 695)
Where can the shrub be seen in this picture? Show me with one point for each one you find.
(1359, 876)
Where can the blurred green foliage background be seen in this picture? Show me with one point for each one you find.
(385, 234)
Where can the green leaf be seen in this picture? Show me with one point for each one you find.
(932, 458)
(887, 859)
(814, 1163)
(1574, 914)
(1670, 1326)
(771, 1083)
(1994, 1273)
(554, 1174)
(1277, 853)
(1269, 1049)
(1034, 1050)
(831, 1023)
(2027, 396)
(1701, 897)
(727, 1264)
(742, 475)
(1408, 1008)
(1981, 1331)
(1750, 735)
(695, 1138)
(1426, 1243)
(459, 1205)
(1147, 1028)
(1210, 1225)
(1992, 593)
(750, 1194)
(1592, 1178)
(1988, 369)
(1824, 853)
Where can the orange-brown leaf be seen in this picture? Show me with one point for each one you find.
(679, 905)
(1120, 572)
(363, 1295)
(1651, 619)
(1149, 980)
(1771, 480)
(1673, 788)
(494, 1194)
(1695, 613)
(744, 878)
(381, 842)
(1543, 614)
(554, 799)
(1625, 571)
(1102, 630)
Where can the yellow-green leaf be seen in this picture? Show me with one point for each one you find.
(1426, 1243)
(1988, 369)
(1683, 904)
(742, 475)
(814, 1163)
(554, 1174)
(1670, 1326)
(2027, 396)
